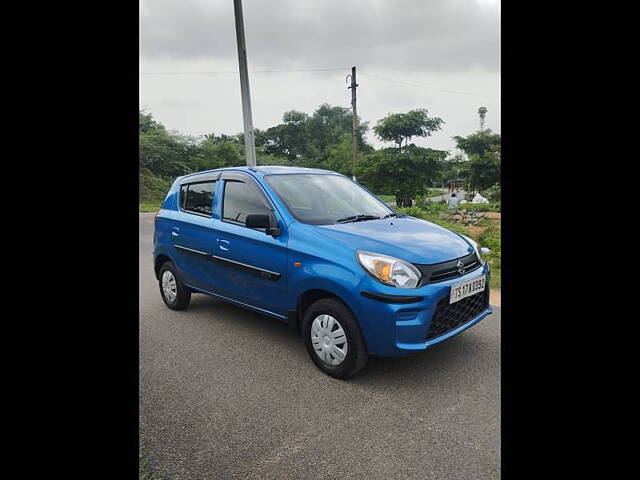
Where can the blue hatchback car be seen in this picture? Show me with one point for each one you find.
(316, 250)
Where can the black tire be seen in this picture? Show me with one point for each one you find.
(357, 354)
(183, 294)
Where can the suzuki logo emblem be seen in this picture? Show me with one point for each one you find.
(461, 268)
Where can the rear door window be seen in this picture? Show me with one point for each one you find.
(198, 198)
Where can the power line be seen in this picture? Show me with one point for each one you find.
(386, 79)
(426, 87)
(236, 72)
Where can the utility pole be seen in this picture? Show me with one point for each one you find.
(249, 143)
(482, 111)
(354, 121)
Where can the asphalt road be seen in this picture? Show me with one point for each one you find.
(227, 393)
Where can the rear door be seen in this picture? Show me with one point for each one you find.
(252, 262)
(194, 234)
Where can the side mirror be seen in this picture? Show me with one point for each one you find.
(258, 220)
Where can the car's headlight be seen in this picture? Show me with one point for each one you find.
(477, 249)
(389, 270)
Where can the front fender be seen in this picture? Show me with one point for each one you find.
(336, 279)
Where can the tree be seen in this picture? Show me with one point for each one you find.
(404, 173)
(455, 168)
(478, 143)
(407, 170)
(308, 140)
(287, 139)
(340, 157)
(484, 170)
(484, 151)
(493, 193)
(401, 127)
(163, 154)
(146, 123)
(218, 152)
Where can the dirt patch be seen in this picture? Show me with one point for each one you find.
(493, 215)
(495, 296)
(475, 230)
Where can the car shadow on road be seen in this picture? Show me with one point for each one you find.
(452, 357)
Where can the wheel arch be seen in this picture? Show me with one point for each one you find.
(158, 261)
(310, 296)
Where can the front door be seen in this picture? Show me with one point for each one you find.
(252, 262)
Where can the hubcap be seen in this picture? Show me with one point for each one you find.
(329, 340)
(169, 287)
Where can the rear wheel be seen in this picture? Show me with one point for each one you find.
(333, 338)
(175, 295)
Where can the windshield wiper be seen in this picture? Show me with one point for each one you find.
(357, 218)
(394, 214)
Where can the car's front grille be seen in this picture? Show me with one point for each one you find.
(448, 270)
(450, 316)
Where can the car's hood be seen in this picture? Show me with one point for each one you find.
(407, 238)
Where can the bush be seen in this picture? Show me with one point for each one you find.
(493, 193)
(490, 238)
(431, 207)
(480, 207)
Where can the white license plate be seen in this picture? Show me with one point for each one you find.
(467, 288)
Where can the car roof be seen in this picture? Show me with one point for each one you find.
(265, 170)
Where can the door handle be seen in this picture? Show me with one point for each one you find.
(175, 231)
(223, 244)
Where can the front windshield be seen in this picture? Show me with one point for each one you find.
(326, 199)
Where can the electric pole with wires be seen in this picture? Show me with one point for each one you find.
(249, 142)
(354, 120)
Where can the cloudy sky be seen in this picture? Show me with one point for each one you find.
(442, 55)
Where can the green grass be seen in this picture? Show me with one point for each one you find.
(150, 207)
(387, 198)
(494, 261)
(143, 468)
(490, 238)
(485, 222)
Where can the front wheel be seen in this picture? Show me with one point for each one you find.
(333, 338)
(175, 295)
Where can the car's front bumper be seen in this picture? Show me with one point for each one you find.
(396, 324)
